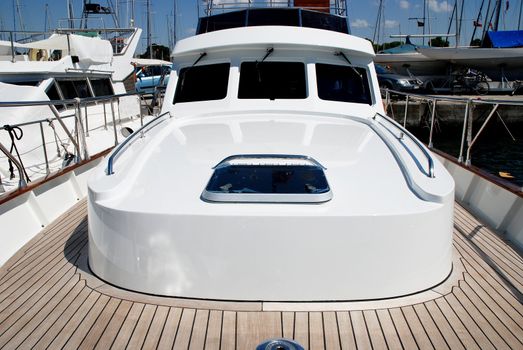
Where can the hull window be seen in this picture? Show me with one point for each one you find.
(343, 83)
(202, 83)
(272, 80)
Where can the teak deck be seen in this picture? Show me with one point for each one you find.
(49, 299)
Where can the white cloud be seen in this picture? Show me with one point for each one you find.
(404, 4)
(359, 23)
(391, 23)
(439, 6)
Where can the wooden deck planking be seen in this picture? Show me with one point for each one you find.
(199, 332)
(46, 300)
(170, 328)
(510, 267)
(183, 336)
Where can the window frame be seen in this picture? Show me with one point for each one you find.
(275, 60)
(179, 69)
(370, 81)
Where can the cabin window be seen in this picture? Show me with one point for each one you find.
(268, 178)
(74, 88)
(272, 80)
(26, 83)
(202, 83)
(102, 87)
(52, 93)
(343, 83)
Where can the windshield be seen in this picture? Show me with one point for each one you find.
(343, 83)
(272, 80)
(202, 83)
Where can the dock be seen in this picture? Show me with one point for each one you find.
(50, 299)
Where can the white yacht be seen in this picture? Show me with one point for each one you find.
(275, 182)
(271, 163)
(73, 73)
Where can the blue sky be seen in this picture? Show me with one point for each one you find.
(362, 15)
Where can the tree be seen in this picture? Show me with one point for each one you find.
(159, 52)
(439, 42)
(385, 46)
(476, 42)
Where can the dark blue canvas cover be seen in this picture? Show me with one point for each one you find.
(505, 38)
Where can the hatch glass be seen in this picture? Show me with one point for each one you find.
(268, 178)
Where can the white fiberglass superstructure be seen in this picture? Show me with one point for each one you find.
(272, 174)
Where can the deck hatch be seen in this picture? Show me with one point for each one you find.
(269, 179)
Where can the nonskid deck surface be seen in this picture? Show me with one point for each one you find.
(48, 298)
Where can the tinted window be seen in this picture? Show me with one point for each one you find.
(52, 93)
(102, 87)
(222, 21)
(28, 83)
(202, 83)
(74, 88)
(313, 19)
(273, 17)
(343, 83)
(268, 178)
(272, 80)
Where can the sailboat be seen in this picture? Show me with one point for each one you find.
(500, 55)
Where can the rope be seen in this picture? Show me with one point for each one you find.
(16, 134)
(56, 138)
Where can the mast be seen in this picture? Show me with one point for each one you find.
(20, 19)
(488, 21)
(149, 34)
(458, 34)
(424, 18)
(132, 13)
(14, 17)
(70, 15)
(477, 22)
(46, 17)
(496, 16)
(519, 19)
(377, 27)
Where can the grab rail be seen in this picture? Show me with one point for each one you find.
(413, 138)
(22, 181)
(140, 131)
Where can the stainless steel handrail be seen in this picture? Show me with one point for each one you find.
(116, 152)
(456, 99)
(22, 181)
(414, 139)
(62, 102)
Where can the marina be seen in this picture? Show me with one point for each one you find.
(267, 186)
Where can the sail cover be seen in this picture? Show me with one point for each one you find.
(505, 38)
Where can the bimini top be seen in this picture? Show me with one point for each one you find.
(295, 17)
